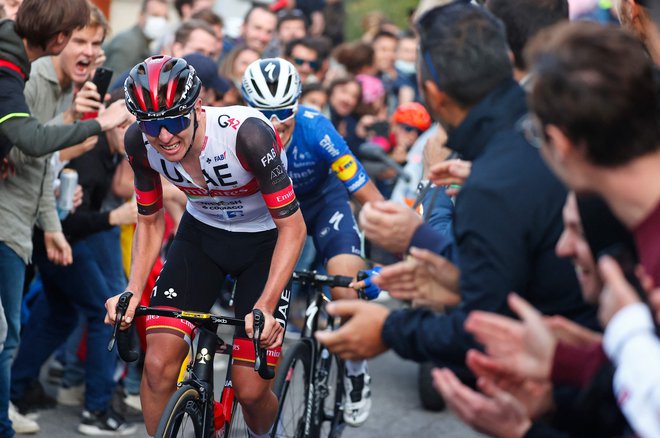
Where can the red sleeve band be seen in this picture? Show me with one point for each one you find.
(280, 198)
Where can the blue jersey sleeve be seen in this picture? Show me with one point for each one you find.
(337, 154)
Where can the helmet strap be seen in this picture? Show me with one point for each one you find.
(195, 126)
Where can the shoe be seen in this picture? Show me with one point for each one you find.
(73, 396)
(21, 425)
(55, 372)
(358, 399)
(107, 423)
(34, 399)
(133, 401)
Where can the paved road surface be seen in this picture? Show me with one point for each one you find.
(396, 409)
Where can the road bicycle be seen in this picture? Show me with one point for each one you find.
(191, 411)
(309, 383)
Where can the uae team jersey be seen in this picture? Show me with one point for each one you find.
(318, 157)
(242, 163)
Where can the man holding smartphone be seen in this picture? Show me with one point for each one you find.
(52, 84)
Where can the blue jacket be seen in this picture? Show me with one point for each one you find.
(507, 221)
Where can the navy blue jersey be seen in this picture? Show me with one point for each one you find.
(319, 158)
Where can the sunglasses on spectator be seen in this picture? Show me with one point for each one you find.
(425, 26)
(282, 115)
(173, 125)
(314, 65)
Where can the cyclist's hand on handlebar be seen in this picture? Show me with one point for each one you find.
(111, 310)
(272, 334)
(369, 287)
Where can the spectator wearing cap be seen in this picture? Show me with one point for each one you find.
(311, 9)
(214, 87)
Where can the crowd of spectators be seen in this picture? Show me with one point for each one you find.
(517, 150)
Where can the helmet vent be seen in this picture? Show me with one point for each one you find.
(256, 88)
(288, 84)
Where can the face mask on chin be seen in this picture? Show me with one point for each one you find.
(405, 67)
(155, 27)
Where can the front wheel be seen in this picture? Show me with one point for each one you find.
(292, 388)
(183, 416)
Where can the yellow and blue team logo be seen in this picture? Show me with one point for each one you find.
(345, 167)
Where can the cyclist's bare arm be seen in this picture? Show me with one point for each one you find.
(260, 151)
(290, 240)
(368, 193)
(150, 226)
(146, 247)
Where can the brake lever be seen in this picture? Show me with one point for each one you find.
(260, 354)
(120, 311)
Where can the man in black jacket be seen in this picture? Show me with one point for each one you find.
(508, 213)
(42, 28)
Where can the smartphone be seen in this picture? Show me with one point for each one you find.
(101, 79)
(627, 258)
(381, 128)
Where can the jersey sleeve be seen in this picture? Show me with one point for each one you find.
(18, 128)
(148, 188)
(259, 150)
(337, 154)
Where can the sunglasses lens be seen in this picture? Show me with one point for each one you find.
(282, 115)
(173, 125)
(314, 65)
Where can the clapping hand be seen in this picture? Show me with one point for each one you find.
(520, 348)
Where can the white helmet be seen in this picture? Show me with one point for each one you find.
(271, 83)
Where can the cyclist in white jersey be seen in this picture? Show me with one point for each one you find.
(242, 218)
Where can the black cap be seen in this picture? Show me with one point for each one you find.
(207, 71)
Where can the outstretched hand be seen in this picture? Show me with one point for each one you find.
(516, 348)
(494, 411)
(389, 224)
(450, 173)
(360, 335)
(426, 279)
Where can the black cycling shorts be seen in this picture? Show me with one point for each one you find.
(196, 266)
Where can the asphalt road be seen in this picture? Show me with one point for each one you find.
(396, 409)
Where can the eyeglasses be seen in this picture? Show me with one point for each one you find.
(282, 115)
(314, 65)
(173, 125)
(530, 127)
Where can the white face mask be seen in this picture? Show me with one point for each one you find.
(155, 27)
(405, 67)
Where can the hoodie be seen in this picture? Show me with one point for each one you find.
(17, 127)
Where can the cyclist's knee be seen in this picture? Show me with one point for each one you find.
(251, 392)
(162, 363)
